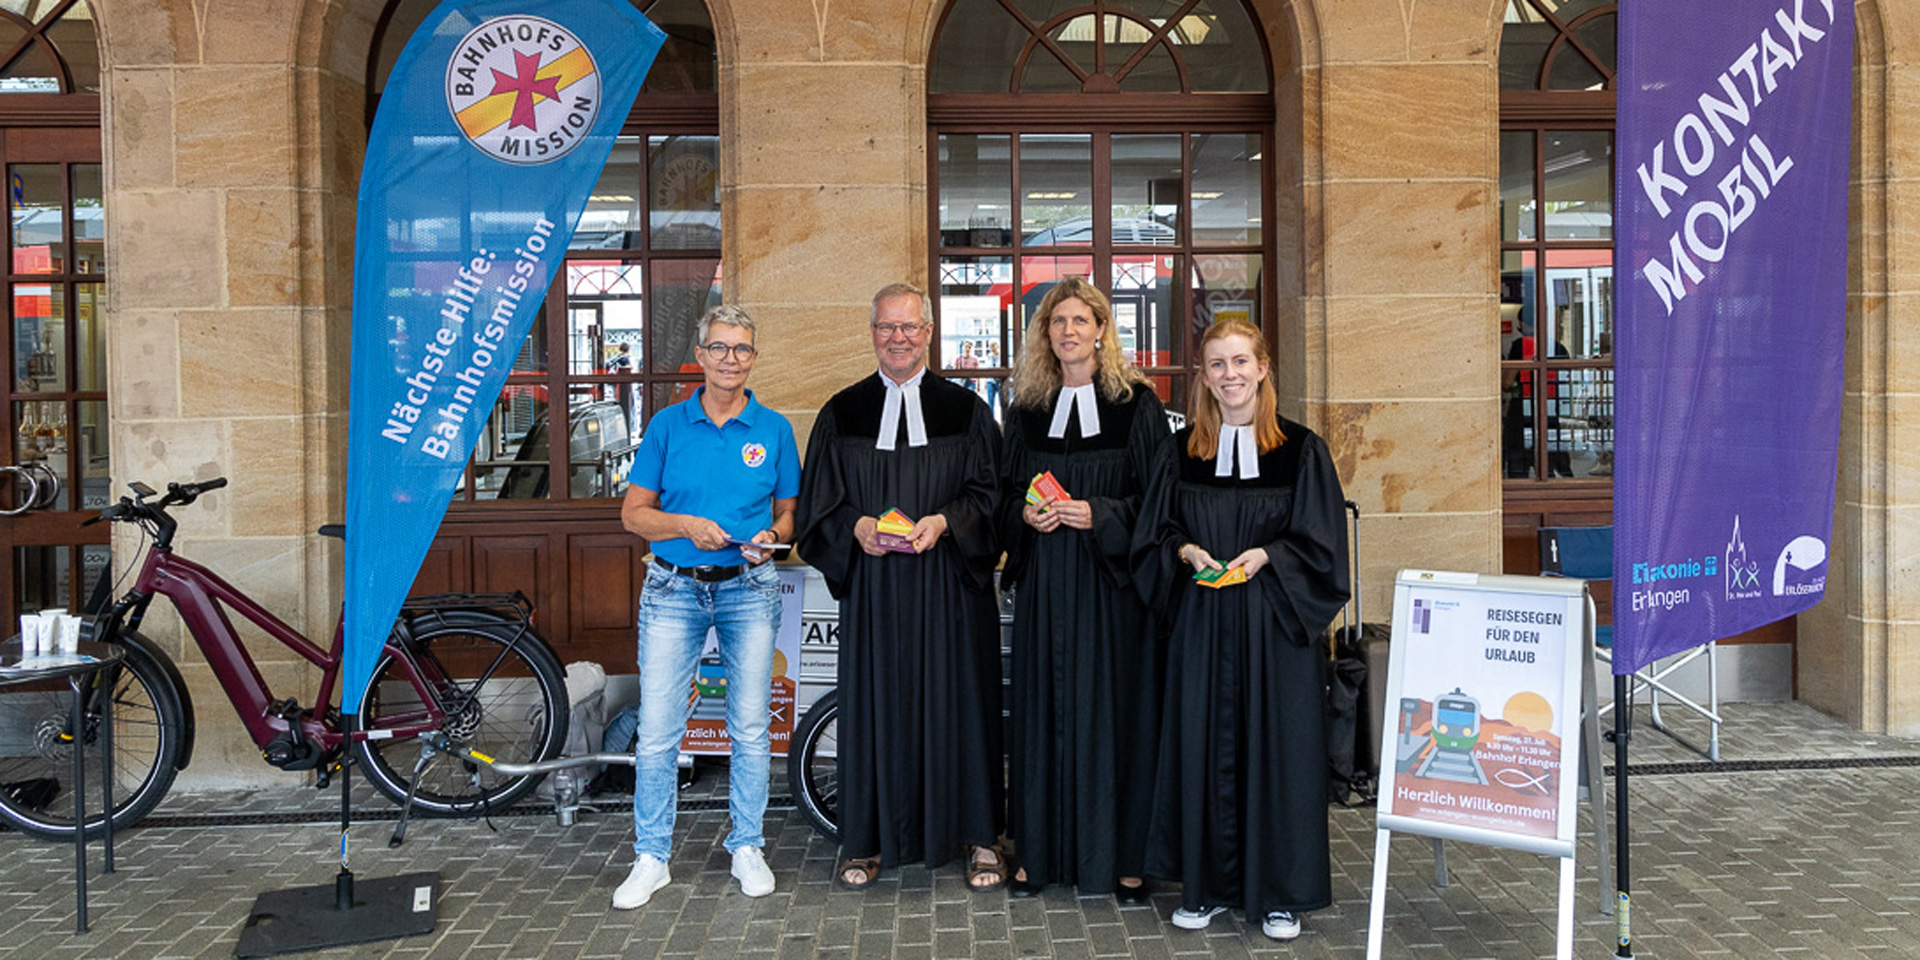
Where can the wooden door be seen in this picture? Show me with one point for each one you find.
(55, 395)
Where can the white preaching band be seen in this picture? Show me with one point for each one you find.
(1071, 397)
(902, 396)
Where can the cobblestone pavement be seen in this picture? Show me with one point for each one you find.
(1805, 842)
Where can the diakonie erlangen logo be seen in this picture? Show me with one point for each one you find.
(523, 89)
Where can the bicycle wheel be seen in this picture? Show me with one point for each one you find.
(812, 769)
(36, 749)
(504, 696)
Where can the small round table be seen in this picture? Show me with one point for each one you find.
(76, 669)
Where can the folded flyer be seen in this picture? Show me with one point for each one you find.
(1218, 577)
(780, 550)
(1045, 489)
(895, 532)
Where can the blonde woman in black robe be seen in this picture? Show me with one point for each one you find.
(1086, 653)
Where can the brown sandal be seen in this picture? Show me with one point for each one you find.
(989, 864)
(867, 867)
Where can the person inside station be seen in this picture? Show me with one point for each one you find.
(919, 747)
(1087, 654)
(1240, 805)
(1518, 436)
(714, 475)
(622, 363)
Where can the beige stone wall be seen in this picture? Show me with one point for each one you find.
(823, 122)
(1888, 396)
(1859, 651)
(1394, 342)
(232, 149)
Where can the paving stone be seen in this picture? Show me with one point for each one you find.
(1789, 862)
(952, 944)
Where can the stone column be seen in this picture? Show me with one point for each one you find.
(1391, 349)
(226, 349)
(823, 117)
(1859, 650)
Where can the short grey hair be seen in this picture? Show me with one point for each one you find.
(892, 290)
(727, 314)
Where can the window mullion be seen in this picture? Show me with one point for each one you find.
(1014, 235)
(559, 426)
(1102, 210)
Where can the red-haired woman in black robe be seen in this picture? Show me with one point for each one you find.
(1240, 809)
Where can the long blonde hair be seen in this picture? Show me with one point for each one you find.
(1203, 411)
(1036, 375)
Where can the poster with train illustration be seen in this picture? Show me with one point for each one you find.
(707, 699)
(1483, 708)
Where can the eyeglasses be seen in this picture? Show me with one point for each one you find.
(891, 330)
(742, 352)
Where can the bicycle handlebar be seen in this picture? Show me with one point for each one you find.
(137, 509)
(184, 493)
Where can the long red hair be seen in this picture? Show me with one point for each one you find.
(1203, 411)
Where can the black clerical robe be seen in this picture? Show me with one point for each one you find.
(1087, 654)
(1240, 811)
(919, 750)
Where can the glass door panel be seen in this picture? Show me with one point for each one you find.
(1226, 189)
(37, 200)
(1056, 189)
(39, 338)
(976, 312)
(55, 394)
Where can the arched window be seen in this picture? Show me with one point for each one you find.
(50, 47)
(55, 351)
(1120, 140)
(614, 343)
(1556, 248)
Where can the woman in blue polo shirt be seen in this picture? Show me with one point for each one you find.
(714, 474)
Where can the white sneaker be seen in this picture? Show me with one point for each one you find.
(1281, 925)
(1196, 919)
(648, 876)
(750, 868)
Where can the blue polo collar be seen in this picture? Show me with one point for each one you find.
(746, 416)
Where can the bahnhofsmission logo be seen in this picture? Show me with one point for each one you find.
(523, 89)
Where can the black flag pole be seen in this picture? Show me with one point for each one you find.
(1622, 735)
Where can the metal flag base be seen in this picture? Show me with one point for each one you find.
(311, 918)
(341, 913)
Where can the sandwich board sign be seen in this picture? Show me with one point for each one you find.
(707, 702)
(1483, 720)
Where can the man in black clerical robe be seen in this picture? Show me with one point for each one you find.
(919, 749)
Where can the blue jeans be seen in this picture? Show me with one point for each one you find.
(675, 613)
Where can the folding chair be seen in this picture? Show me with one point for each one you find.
(1586, 553)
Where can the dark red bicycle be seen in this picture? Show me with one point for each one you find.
(458, 668)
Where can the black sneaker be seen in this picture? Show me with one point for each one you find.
(1281, 925)
(1196, 919)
